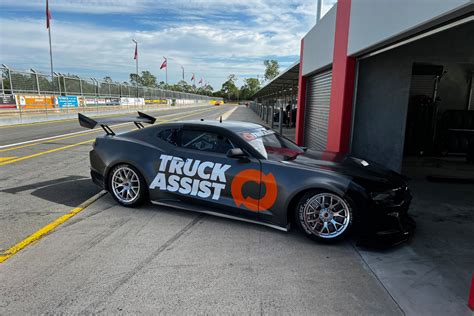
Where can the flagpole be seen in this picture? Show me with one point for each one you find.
(51, 59)
(166, 71)
(48, 24)
(136, 64)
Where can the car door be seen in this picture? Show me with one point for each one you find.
(200, 176)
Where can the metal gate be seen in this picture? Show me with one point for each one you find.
(317, 110)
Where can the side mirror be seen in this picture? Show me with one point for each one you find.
(236, 153)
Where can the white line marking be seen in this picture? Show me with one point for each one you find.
(82, 132)
(226, 115)
(57, 136)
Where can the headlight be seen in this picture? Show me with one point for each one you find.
(384, 196)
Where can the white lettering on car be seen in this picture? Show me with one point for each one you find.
(191, 177)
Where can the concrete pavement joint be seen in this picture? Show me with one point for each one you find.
(142, 264)
(366, 264)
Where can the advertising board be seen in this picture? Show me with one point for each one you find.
(132, 101)
(34, 101)
(7, 102)
(67, 101)
(156, 101)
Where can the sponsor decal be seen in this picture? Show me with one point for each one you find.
(207, 179)
(191, 177)
(253, 175)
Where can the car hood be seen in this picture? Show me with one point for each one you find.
(363, 172)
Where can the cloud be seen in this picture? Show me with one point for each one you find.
(212, 38)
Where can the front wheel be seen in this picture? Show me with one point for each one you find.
(324, 216)
(127, 185)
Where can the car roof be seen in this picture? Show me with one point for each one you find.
(234, 126)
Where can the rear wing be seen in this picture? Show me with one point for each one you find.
(88, 122)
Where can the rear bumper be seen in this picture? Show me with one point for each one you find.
(97, 178)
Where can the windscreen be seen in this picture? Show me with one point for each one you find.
(271, 145)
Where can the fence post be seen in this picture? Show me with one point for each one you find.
(9, 78)
(37, 80)
(273, 110)
(64, 83)
(3, 88)
(59, 82)
(280, 121)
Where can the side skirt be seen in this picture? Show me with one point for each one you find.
(223, 216)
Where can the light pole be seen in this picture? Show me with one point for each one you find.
(182, 68)
(318, 11)
(136, 63)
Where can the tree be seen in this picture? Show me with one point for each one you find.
(271, 69)
(250, 87)
(229, 89)
(134, 79)
(107, 79)
(147, 79)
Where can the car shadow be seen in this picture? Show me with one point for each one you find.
(69, 191)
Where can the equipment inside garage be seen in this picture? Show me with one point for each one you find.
(417, 100)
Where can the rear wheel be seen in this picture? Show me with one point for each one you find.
(127, 185)
(324, 216)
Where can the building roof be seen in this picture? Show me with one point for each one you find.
(285, 80)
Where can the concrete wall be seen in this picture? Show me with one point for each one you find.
(319, 43)
(383, 91)
(375, 21)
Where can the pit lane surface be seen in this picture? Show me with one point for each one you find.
(153, 259)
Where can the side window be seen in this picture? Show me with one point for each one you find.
(169, 135)
(205, 141)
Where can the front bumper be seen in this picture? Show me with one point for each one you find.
(387, 226)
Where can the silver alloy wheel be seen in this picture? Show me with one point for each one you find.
(125, 184)
(326, 215)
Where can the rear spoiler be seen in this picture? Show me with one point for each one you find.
(88, 122)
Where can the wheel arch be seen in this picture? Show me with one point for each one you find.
(353, 196)
(116, 163)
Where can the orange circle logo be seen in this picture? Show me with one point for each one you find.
(253, 175)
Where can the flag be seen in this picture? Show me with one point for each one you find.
(200, 81)
(135, 56)
(48, 14)
(193, 78)
(164, 64)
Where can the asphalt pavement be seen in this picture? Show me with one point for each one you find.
(152, 259)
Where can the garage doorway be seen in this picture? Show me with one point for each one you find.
(439, 133)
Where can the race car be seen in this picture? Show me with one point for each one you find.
(246, 171)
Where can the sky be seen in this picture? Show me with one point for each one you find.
(212, 38)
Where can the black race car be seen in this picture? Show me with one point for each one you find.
(248, 172)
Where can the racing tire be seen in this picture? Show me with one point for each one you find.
(127, 186)
(324, 216)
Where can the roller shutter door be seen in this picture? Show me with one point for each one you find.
(317, 110)
(422, 85)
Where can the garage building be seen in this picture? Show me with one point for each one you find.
(388, 80)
